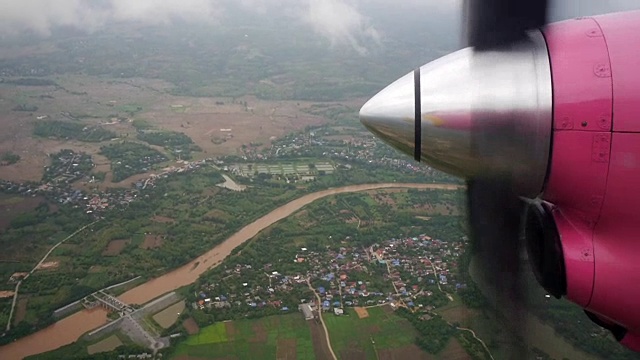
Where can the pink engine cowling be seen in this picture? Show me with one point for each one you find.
(593, 186)
(555, 116)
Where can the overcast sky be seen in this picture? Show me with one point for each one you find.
(347, 22)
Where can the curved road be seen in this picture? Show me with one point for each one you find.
(72, 327)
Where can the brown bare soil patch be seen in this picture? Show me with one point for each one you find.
(460, 314)
(163, 219)
(191, 326)
(151, 241)
(49, 265)
(21, 310)
(387, 309)
(362, 312)
(115, 247)
(286, 349)
(320, 346)
(19, 275)
(260, 333)
(352, 354)
(231, 330)
(411, 352)
(203, 121)
(6, 294)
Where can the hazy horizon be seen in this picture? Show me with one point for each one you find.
(357, 24)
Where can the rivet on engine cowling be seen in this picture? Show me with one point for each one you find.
(594, 32)
(603, 123)
(602, 70)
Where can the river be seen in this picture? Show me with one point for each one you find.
(72, 327)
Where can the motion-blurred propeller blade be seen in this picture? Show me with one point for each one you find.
(495, 214)
(493, 23)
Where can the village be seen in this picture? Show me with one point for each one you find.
(417, 273)
(60, 191)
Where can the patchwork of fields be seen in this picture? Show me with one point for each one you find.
(381, 335)
(282, 337)
(283, 168)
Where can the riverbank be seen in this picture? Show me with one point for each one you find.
(71, 328)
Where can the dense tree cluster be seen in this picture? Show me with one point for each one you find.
(9, 158)
(130, 158)
(177, 143)
(66, 130)
(434, 334)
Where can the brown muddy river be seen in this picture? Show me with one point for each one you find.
(71, 328)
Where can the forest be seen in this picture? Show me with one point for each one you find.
(130, 158)
(9, 158)
(179, 144)
(66, 130)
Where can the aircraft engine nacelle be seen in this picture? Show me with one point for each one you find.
(591, 192)
(559, 116)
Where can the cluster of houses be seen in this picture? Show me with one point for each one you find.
(68, 166)
(60, 190)
(403, 272)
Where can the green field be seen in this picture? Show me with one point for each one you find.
(251, 339)
(216, 333)
(387, 330)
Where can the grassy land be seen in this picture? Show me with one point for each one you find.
(216, 333)
(112, 344)
(250, 339)
(386, 329)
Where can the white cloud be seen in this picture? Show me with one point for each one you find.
(42, 16)
(341, 23)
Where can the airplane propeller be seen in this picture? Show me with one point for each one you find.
(495, 210)
(484, 114)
